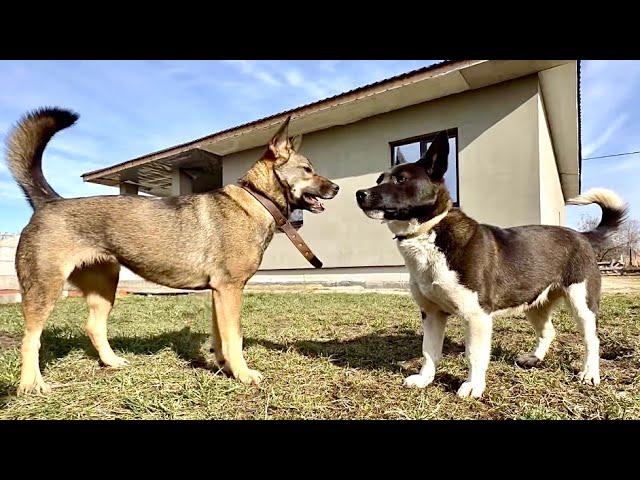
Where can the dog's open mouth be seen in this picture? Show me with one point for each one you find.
(313, 203)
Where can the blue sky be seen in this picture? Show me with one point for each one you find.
(130, 108)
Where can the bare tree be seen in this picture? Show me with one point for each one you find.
(623, 243)
(587, 222)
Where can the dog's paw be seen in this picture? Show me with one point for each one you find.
(469, 389)
(38, 387)
(590, 375)
(417, 381)
(527, 360)
(250, 377)
(114, 361)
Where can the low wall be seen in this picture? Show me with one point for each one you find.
(394, 277)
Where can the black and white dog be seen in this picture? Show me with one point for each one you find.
(459, 266)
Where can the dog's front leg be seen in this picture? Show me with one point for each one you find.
(433, 325)
(228, 303)
(478, 327)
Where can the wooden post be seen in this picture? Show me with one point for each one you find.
(128, 189)
(181, 183)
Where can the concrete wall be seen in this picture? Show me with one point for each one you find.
(8, 244)
(8, 278)
(551, 197)
(498, 170)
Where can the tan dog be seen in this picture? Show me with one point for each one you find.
(213, 240)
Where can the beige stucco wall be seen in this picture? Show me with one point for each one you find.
(551, 197)
(499, 170)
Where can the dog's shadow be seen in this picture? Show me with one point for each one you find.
(394, 353)
(57, 343)
(185, 343)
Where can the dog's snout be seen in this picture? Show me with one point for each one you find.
(329, 189)
(361, 195)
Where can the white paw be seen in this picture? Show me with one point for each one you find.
(114, 361)
(469, 389)
(37, 387)
(249, 376)
(417, 381)
(590, 375)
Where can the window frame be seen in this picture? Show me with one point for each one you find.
(429, 137)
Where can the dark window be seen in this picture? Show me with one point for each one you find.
(413, 148)
(296, 218)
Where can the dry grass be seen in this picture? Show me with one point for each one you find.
(328, 356)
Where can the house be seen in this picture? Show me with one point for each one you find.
(514, 128)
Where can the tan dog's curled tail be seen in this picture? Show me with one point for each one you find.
(25, 145)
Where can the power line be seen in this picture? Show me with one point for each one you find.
(612, 155)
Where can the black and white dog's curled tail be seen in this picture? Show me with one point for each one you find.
(25, 145)
(614, 213)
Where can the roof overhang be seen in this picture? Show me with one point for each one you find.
(559, 87)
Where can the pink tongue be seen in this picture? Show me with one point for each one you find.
(315, 201)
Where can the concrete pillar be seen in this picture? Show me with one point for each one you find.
(181, 183)
(128, 189)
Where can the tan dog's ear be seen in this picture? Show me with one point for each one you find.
(295, 142)
(279, 144)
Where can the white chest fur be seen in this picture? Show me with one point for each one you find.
(430, 274)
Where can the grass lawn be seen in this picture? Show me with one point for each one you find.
(324, 356)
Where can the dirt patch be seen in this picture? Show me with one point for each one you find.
(8, 341)
(621, 284)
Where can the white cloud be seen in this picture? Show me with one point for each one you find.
(631, 163)
(9, 189)
(328, 65)
(609, 93)
(294, 77)
(251, 69)
(603, 138)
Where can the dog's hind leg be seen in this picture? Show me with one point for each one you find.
(38, 300)
(540, 318)
(228, 303)
(98, 282)
(585, 318)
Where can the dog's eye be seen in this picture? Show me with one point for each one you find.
(307, 169)
(401, 179)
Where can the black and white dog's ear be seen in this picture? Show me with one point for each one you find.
(436, 160)
(400, 157)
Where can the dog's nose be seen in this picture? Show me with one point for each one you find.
(335, 188)
(361, 195)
